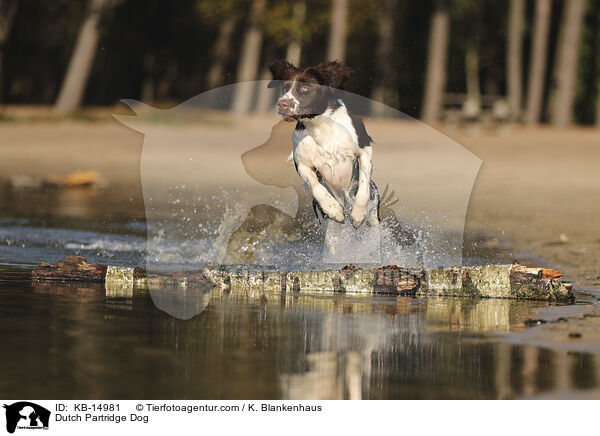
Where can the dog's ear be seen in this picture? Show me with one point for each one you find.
(281, 70)
(331, 73)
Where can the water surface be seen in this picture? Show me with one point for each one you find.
(72, 341)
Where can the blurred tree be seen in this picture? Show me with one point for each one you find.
(362, 21)
(468, 14)
(598, 106)
(435, 80)
(80, 65)
(8, 8)
(157, 51)
(250, 58)
(384, 90)
(587, 90)
(298, 34)
(472, 104)
(220, 51)
(284, 25)
(565, 69)
(411, 34)
(336, 48)
(225, 14)
(537, 63)
(163, 51)
(514, 54)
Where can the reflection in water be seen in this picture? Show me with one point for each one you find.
(70, 205)
(254, 345)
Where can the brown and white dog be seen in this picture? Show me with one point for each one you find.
(331, 148)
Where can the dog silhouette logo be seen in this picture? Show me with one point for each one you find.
(26, 415)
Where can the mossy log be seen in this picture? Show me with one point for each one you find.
(487, 281)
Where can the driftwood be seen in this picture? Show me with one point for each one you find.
(72, 268)
(488, 281)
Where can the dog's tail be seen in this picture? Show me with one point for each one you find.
(388, 199)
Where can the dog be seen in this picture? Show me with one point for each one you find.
(332, 150)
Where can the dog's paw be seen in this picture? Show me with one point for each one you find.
(334, 211)
(358, 216)
(337, 214)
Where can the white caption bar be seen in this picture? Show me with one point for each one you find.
(295, 417)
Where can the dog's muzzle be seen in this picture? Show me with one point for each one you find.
(287, 109)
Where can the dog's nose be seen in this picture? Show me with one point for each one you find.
(283, 104)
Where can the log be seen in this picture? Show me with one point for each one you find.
(487, 281)
(72, 268)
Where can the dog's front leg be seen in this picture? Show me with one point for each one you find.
(365, 165)
(328, 203)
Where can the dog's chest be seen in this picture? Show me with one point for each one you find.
(330, 146)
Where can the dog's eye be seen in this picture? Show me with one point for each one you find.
(304, 89)
(286, 88)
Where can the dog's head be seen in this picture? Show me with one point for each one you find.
(307, 92)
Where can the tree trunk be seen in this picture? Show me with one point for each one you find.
(384, 90)
(514, 52)
(1, 71)
(80, 65)
(148, 93)
(220, 52)
(7, 15)
(435, 81)
(472, 105)
(294, 48)
(250, 57)
(266, 96)
(294, 53)
(537, 65)
(565, 70)
(598, 106)
(336, 49)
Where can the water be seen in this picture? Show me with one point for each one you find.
(72, 341)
